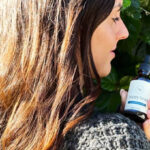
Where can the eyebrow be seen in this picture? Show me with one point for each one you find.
(118, 5)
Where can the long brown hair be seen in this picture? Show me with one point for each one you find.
(45, 65)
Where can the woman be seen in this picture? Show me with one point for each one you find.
(50, 52)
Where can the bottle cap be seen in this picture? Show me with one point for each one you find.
(145, 67)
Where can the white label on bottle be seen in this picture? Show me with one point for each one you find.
(138, 95)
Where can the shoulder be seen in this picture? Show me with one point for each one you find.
(107, 131)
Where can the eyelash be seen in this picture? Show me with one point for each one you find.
(115, 19)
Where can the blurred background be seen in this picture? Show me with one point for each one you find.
(130, 54)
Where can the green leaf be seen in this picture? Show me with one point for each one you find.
(145, 4)
(136, 4)
(114, 101)
(134, 26)
(146, 37)
(102, 101)
(108, 101)
(109, 83)
(134, 11)
(125, 81)
(126, 4)
(145, 34)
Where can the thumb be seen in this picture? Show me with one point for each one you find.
(123, 95)
(146, 128)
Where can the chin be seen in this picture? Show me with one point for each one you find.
(105, 72)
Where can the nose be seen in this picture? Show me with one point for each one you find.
(123, 33)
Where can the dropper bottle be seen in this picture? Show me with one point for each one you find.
(139, 94)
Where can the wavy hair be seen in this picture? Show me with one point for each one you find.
(45, 65)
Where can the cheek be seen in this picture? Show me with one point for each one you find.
(104, 37)
(102, 43)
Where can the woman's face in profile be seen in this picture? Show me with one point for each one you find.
(105, 38)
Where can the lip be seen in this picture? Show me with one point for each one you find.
(112, 52)
(114, 48)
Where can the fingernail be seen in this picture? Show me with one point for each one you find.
(121, 91)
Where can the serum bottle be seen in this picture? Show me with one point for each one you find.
(139, 94)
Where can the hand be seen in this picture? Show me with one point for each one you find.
(146, 125)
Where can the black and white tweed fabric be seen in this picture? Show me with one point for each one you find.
(107, 132)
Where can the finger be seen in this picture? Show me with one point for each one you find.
(148, 114)
(148, 111)
(148, 104)
(123, 95)
(146, 128)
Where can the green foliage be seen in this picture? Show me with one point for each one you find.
(126, 4)
(130, 53)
